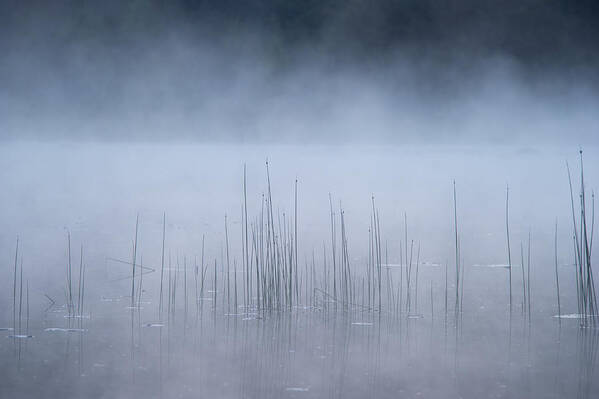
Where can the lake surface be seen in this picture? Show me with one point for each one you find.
(339, 326)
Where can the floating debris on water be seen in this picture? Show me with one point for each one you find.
(361, 323)
(495, 266)
(108, 299)
(297, 389)
(431, 264)
(416, 316)
(77, 316)
(153, 325)
(573, 316)
(20, 336)
(428, 264)
(6, 328)
(58, 329)
(304, 307)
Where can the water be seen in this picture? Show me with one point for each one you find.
(283, 353)
(206, 344)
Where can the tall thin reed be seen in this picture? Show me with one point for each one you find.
(559, 306)
(457, 253)
(132, 263)
(162, 264)
(507, 230)
(14, 287)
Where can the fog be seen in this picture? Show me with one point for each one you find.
(187, 91)
(298, 200)
(238, 73)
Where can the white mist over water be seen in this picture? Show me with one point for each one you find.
(96, 190)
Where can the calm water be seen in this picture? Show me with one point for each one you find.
(216, 342)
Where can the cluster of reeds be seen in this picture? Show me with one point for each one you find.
(74, 309)
(526, 297)
(526, 291)
(269, 276)
(19, 330)
(583, 245)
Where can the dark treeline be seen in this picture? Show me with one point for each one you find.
(534, 32)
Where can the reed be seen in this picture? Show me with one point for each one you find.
(196, 272)
(141, 280)
(80, 286)
(524, 299)
(185, 297)
(587, 301)
(14, 288)
(228, 265)
(134, 259)
(333, 247)
(295, 253)
(69, 279)
(400, 285)
(235, 285)
(27, 309)
(416, 282)
(377, 251)
(405, 220)
(82, 290)
(162, 264)
(20, 297)
(408, 279)
(507, 231)
(559, 306)
(204, 270)
(214, 287)
(446, 273)
(432, 303)
(245, 241)
(457, 253)
(528, 290)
